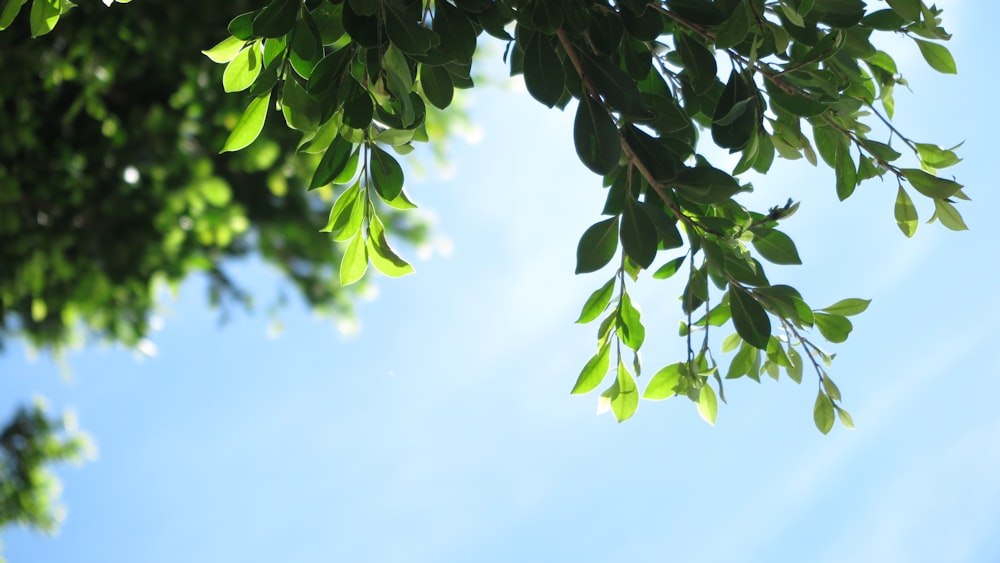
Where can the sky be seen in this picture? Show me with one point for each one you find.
(443, 430)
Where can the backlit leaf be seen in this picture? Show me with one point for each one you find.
(250, 124)
(823, 413)
(708, 404)
(937, 56)
(597, 302)
(906, 213)
(595, 370)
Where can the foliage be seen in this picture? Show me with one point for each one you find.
(355, 78)
(28, 444)
(355, 81)
(111, 184)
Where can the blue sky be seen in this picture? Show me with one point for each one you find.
(443, 430)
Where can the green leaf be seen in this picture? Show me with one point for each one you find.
(241, 27)
(383, 257)
(743, 362)
(930, 185)
(662, 385)
(8, 11)
(437, 85)
(848, 307)
(731, 342)
(595, 370)
(354, 264)
(409, 35)
(937, 56)
(937, 157)
(823, 413)
(334, 162)
(225, 50)
(736, 134)
(44, 16)
(597, 303)
(543, 71)
(732, 31)
(831, 388)
(242, 70)
(596, 137)
(347, 214)
(250, 124)
(630, 327)
(845, 417)
(708, 404)
(669, 269)
(698, 61)
(638, 235)
(906, 213)
(386, 174)
(908, 9)
(301, 111)
(276, 19)
(749, 318)
(597, 246)
(834, 328)
(847, 174)
(775, 246)
(795, 370)
(949, 216)
(625, 395)
(705, 184)
(358, 106)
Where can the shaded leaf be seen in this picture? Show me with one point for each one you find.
(749, 318)
(597, 246)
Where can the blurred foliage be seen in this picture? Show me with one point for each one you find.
(110, 181)
(31, 442)
(112, 188)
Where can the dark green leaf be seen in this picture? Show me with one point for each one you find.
(597, 246)
(749, 318)
(408, 34)
(776, 246)
(241, 27)
(386, 174)
(930, 185)
(276, 19)
(437, 85)
(847, 174)
(596, 137)
(705, 184)
(737, 133)
(334, 161)
(358, 106)
(638, 235)
(616, 87)
(543, 71)
(698, 61)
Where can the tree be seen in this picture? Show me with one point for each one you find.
(356, 82)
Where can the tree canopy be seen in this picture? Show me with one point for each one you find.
(125, 164)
